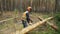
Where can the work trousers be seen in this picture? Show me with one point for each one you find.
(24, 23)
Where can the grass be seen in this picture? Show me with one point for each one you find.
(49, 29)
(39, 31)
(57, 20)
(11, 24)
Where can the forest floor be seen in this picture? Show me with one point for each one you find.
(15, 24)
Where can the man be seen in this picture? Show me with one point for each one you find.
(26, 18)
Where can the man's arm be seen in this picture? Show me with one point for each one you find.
(28, 17)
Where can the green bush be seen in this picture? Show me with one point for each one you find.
(57, 20)
(57, 16)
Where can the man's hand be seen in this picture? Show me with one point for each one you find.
(31, 21)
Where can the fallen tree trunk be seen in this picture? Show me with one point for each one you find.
(8, 19)
(51, 24)
(31, 27)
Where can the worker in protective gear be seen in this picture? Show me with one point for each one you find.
(26, 18)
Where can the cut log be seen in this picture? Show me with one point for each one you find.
(31, 27)
(51, 24)
(8, 19)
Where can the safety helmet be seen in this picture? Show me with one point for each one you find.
(29, 8)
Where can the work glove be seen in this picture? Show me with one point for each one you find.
(31, 21)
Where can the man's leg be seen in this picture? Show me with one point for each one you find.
(24, 23)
